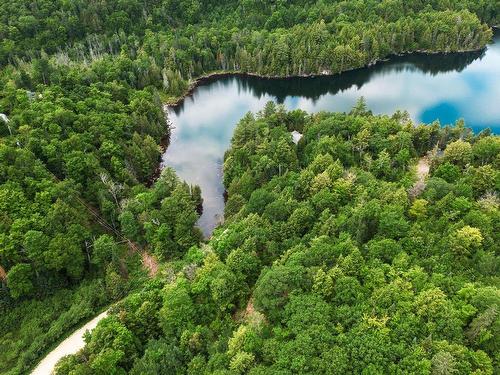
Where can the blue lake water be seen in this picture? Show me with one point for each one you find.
(438, 87)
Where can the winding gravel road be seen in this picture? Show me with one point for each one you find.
(70, 345)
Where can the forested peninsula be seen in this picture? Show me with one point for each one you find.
(336, 255)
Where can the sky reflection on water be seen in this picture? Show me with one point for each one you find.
(444, 87)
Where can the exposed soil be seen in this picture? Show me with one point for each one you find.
(423, 168)
(150, 263)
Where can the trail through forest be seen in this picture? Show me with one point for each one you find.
(423, 169)
(75, 341)
(150, 263)
(70, 345)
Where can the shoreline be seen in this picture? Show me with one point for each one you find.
(174, 102)
(164, 143)
(207, 78)
(210, 77)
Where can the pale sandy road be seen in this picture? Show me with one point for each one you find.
(75, 342)
(70, 345)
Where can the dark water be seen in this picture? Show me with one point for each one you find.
(444, 87)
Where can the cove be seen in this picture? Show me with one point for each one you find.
(444, 87)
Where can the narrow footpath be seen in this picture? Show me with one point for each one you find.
(423, 169)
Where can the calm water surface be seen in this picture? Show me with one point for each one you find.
(444, 87)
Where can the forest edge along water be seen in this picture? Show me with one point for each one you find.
(83, 89)
(214, 76)
(282, 90)
(427, 85)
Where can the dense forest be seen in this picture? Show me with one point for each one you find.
(75, 161)
(167, 43)
(336, 257)
(81, 123)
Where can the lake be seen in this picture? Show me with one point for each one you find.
(438, 87)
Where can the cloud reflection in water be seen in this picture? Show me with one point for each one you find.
(445, 87)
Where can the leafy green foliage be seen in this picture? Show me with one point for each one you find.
(28, 328)
(74, 161)
(323, 223)
(167, 43)
(328, 264)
